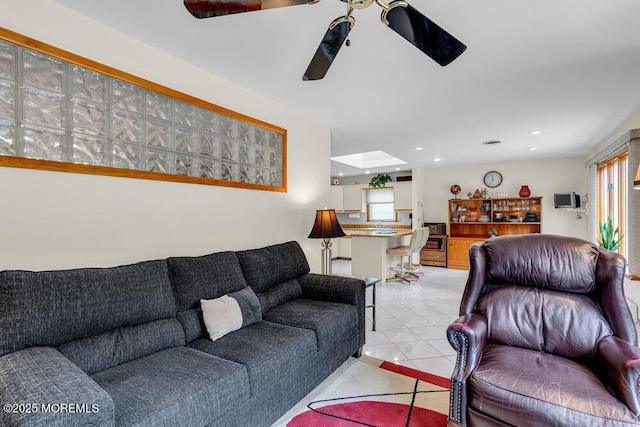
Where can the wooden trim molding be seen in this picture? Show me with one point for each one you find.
(61, 166)
(632, 277)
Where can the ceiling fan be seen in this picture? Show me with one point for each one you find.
(398, 15)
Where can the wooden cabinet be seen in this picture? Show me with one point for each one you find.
(337, 196)
(458, 253)
(402, 197)
(434, 253)
(352, 198)
(473, 220)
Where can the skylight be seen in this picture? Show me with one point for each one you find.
(371, 159)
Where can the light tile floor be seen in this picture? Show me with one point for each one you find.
(412, 319)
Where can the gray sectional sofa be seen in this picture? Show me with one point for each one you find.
(127, 345)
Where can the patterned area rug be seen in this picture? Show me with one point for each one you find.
(371, 392)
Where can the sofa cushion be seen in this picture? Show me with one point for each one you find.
(544, 261)
(50, 308)
(329, 320)
(204, 277)
(561, 323)
(179, 386)
(266, 267)
(230, 312)
(512, 383)
(111, 348)
(269, 351)
(279, 294)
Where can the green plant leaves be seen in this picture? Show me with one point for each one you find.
(379, 180)
(608, 235)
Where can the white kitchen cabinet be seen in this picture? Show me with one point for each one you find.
(402, 198)
(352, 198)
(337, 196)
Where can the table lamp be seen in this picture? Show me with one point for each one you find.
(326, 227)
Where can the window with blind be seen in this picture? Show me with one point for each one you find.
(612, 194)
(380, 205)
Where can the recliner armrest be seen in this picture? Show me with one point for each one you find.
(40, 386)
(619, 366)
(468, 336)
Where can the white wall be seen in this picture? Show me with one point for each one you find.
(632, 123)
(52, 220)
(544, 178)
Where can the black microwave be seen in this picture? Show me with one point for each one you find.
(566, 200)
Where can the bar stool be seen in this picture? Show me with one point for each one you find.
(407, 275)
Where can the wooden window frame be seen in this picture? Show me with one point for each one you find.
(613, 170)
(60, 166)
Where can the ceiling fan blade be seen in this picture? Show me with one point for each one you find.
(422, 32)
(211, 8)
(331, 43)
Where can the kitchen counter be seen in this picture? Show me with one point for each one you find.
(383, 233)
(369, 246)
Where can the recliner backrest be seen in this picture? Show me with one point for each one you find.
(561, 323)
(540, 294)
(543, 261)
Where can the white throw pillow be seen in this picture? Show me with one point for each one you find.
(221, 316)
(230, 312)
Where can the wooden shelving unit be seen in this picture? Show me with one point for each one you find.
(434, 253)
(471, 220)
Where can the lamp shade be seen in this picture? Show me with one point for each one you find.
(636, 182)
(326, 225)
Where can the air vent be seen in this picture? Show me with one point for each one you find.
(493, 142)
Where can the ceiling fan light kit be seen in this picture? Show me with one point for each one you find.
(398, 15)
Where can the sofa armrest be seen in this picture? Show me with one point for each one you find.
(468, 336)
(619, 366)
(40, 386)
(345, 290)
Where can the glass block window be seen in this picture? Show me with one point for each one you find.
(64, 111)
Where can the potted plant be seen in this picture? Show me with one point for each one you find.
(609, 236)
(493, 232)
(379, 180)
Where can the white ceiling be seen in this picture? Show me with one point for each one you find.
(570, 68)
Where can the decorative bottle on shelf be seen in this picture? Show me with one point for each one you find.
(524, 191)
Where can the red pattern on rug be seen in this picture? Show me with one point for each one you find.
(419, 375)
(375, 413)
(368, 413)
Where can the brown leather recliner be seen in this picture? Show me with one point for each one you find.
(544, 337)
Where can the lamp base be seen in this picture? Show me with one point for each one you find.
(326, 257)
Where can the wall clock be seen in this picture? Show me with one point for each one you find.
(492, 179)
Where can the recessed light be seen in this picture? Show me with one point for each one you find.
(417, 148)
(367, 172)
(532, 148)
(397, 169)
(535, 132)
(492, 142)
(436, 160)
(340, 174)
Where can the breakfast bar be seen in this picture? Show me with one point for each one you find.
(369, 251)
